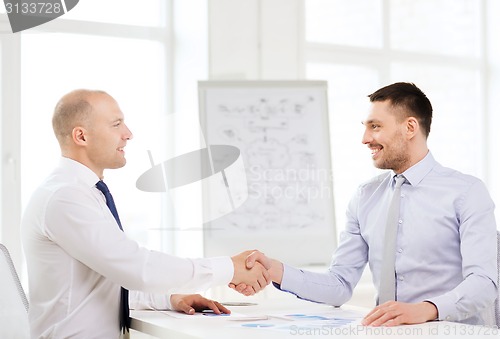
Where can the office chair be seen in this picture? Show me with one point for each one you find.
(497, 302)
(13, 302)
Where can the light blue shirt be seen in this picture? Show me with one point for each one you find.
(446, 244)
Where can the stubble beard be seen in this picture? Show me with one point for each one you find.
(395, 157)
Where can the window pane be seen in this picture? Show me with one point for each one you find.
(348, 87)
(448, 27)
(352, 23)
(1, 138)
(127, 12)
(456, 131)
(132, 71)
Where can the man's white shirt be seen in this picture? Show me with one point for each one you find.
(77, 259)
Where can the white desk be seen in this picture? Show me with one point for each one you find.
(163, 326)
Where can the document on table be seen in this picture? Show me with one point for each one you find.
(300, 322)
(305, 322)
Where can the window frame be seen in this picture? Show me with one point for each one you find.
(10, 101)
(382, 58)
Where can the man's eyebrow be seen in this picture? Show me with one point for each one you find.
(371, 121)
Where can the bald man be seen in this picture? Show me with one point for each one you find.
(79, 259)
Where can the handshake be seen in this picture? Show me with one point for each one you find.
(253, 271)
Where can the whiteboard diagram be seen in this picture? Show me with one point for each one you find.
(281, 130)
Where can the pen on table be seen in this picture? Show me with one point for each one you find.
(236, 303)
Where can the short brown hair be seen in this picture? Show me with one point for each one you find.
(409, 97)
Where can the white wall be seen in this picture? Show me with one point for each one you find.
(256, 39)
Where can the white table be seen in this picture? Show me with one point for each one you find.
(158, 324)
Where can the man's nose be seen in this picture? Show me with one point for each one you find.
(366, 139)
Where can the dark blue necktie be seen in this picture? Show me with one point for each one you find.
(124, 309)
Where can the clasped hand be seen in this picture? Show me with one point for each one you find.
(254, 277)
(250, 273)
(274, 272)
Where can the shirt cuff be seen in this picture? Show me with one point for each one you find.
(291, 280)
(149, 301)
(445, 307)
(223, 270)
(168, 304)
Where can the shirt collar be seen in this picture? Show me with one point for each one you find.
(82, 172)
(415, 174)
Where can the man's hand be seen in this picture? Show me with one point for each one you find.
(256, 277)
(274, 267)
(191, 303)
(393, 313)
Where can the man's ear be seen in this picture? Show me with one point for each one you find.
(79, 136)
(412, 127)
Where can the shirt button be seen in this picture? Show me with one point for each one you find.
(400, 250)
(400, 221)
(401, 278)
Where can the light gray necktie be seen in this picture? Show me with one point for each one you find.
(387, 290)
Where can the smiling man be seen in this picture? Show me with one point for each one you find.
(392, 125)
(442, 263)
(80, 262)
